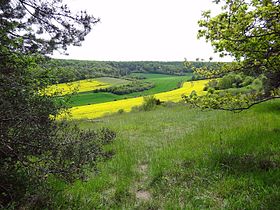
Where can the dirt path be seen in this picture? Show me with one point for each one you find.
(140, 187)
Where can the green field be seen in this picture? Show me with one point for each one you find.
(177, 157)
(112, 81)
(162, 83)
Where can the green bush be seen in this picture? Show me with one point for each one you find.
(235, 83)
(247, 81)
(227, 81)
(150, 103)
(120, 111)
(34, 145)
(211, 84)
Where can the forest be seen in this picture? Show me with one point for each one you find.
(72, 70)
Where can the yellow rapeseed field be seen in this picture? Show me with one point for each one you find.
(79, 86)
(99, 110)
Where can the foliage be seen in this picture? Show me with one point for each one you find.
(149, 103)
(249, 32)
(33, 145)
(231, 92)
(204, 69)
(221, 100)
(72, 70)
(237, 82)
(33, 26)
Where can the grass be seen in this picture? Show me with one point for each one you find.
(162, 83)
(99, 110)
(112, 81)
(184, 158)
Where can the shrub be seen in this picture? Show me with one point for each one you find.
(211, 84)
(68, 154)
(34, 145)
(120, 111)
(150, 103)
(247, 81)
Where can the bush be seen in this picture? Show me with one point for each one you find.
(226, 82)
(150, 103)
(247, 81)
(34, 145)
(68, 155)
(120, 111)
(234, 81)
(211, 84)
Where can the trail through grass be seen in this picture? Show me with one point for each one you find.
(180, 158)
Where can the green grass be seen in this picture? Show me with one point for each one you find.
(112, 81)
(162, 83)
(183, 158)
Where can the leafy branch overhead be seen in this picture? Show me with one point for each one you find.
(42, 26)
(248, 31)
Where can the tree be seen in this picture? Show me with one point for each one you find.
(249, 31)
(34, 26)
(33, 144)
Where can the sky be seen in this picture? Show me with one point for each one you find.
(143, 30)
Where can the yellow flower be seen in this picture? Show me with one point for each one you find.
(79, 86)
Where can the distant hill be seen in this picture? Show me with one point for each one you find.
(72, 70)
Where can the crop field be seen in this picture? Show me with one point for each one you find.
(162, 83)
(84, 85)
(101, 109)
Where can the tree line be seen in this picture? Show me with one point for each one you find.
(72, 70)
(133, 86)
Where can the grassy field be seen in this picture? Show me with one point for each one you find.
(176, 157)
(162, 83)
(101, 109)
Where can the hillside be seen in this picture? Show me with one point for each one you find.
(177, 157)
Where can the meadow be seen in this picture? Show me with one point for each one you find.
(163, 83)
(178, 157)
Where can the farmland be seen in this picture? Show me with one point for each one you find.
(98, 110)
(162, 83)
(83, 86)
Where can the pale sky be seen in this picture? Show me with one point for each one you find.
(143, 30)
